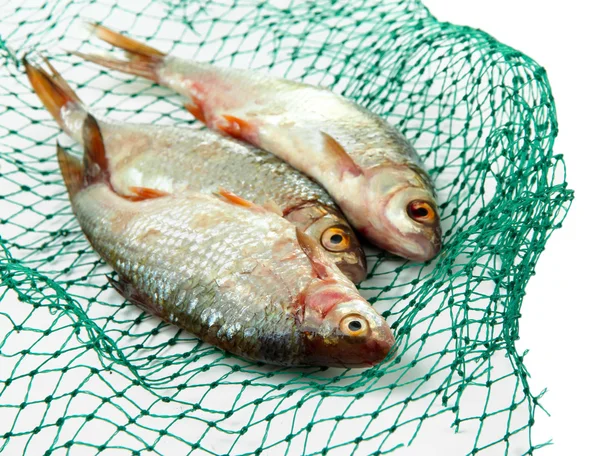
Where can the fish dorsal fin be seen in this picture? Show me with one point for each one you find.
(71, 170)
(345, 161)
(315, 254)
(95, 162)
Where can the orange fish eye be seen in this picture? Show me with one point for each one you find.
(421, 211)
(335, 239)
(354, 325)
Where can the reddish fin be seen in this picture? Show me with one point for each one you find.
(237, 128)
(121, 41)
(142, 60)
(138, 67)
(315, 254)
(144, 193)
(196, 110)
(237, 200)
(129, 292)
(346, 162)
(71, 170)
(60, 81)
(95, 162)
(53, 91)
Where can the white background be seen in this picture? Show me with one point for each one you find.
(561, 311)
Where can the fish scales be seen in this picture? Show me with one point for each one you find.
(233, 297)
(369, 168)
(166, 159)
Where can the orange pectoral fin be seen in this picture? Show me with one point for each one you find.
(237, 200)
(237, 128)
(335, 149)
(144, 193)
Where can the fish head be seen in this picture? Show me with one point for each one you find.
(334, 234)
(340, 329)
(404, 215)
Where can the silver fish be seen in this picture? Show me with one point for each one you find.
(233, 273)
(370, 169)
(171, 160)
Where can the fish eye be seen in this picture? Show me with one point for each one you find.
(354, 325)
(335, 239)
(421, 211)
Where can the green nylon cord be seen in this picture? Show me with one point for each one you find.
(81, 371)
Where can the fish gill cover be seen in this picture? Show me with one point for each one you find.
(81, 370)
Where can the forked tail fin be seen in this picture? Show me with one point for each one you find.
(56, 95)
(71, 169)
(94, 168)
(142, 60)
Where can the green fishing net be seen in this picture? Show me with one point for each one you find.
(83, 372)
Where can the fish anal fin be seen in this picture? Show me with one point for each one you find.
(314, 253)
(129, 292)
(144, 193)
(335, 149)
(71, 169)
(195, 108)
(237, 128)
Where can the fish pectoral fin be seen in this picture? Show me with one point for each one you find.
(315, 254)
(144, 193)
(336, 150)
(237, 128)
(272, 206)
(237, 200)
(129, 292)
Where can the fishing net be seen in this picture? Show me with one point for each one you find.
(82, 371)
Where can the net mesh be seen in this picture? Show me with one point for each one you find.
(80, 370)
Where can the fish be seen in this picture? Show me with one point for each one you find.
(369, 168)
(231, 272)
(171, 159)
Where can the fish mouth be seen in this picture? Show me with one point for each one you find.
(423, 248)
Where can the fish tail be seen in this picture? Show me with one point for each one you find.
(142, 60)
(56, 95)
(95, 162)
(71, 169)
